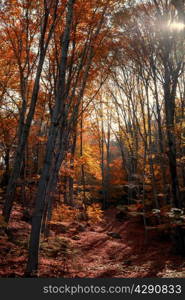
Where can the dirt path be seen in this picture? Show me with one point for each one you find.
(127, 256)
(110, 249)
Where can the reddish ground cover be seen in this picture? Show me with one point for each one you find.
(109, 249)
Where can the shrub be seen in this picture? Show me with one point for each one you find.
(95, 213)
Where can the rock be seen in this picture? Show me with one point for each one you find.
(114, 235)
(127, 262)
(80, 228)
(58, 227)
(72, 230)
(76, 238)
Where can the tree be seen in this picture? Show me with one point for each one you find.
(156, 45)
(68, 96)
(21, 38)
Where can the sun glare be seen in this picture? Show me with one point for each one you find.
(177, 26)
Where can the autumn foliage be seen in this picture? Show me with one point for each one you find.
(91, 122)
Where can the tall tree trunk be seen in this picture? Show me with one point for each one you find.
(160, 132)
(169, 99)
(24, 125)
(150, 149)
(81, 154)
(56, 121)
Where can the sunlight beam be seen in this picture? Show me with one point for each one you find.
(176, 26)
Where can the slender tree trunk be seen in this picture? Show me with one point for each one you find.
(107, 175)
(150, 150)
(22, 140)
(24, 125)
(71, 178)
(32, 264)
(160, 133)
(169, 98)
(81, 154)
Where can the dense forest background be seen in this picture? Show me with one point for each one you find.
(92, 128)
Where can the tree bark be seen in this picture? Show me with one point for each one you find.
(32, 264)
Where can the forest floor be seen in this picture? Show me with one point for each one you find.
(109, 249)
